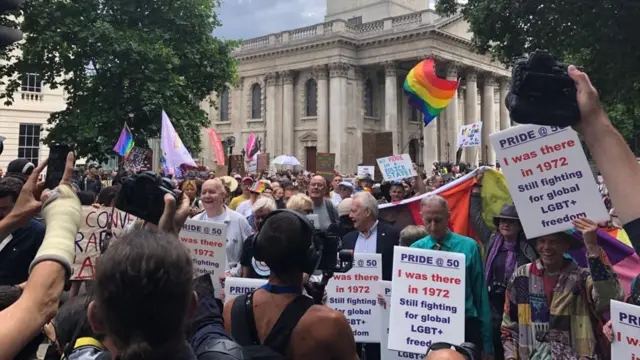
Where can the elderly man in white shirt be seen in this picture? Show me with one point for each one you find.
(212, 197)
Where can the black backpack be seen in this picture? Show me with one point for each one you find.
(243, 325)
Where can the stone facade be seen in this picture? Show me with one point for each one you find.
(320, 87)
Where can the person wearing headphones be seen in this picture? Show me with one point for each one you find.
(277, 319)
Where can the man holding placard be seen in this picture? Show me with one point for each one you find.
(435, 214)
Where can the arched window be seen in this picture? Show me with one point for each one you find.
(368, 98)
(311, 96)
(224, 105)
(256, 101)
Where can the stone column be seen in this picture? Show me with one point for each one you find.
(488, 120)
(323, 108)
(430, 149)
(270, 116)
(452, 116)
(391, 103)
(505, 121)
(287, 113)
(338, 110)
(471, 112)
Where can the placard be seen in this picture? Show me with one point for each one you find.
(206, 242)
(355, 294)
(235, 286)
(90, 238)
(138, 159)
(325, 165)
(386, 354)
(366, 171)
(549, 178)
(263, 162)
(396, 167)
(428, 299)
(625, 322)
(470, 135)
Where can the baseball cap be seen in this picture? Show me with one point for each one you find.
(247, 178)
(346, 184)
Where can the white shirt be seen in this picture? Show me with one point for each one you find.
(238, 230)
(336, 198)
(367, 243)
(245, 208)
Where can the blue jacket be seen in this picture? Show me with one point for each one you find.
(18, 253)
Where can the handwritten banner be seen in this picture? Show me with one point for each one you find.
(91, 236)
(235, 286)
(625, 322)
(549, 178)
(428, 299)
(355, 294)
(396, 167)
(139, 159)
(325, 165)
(470, 135)
(385, 290)
(206, 242)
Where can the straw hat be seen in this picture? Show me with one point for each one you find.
(229, 182)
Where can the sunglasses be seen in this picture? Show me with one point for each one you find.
(464, 351)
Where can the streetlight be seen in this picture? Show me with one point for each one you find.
(230, 142)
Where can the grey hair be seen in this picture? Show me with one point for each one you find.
(368, 201)
(411, 234)
(264, 202)
(435, 199)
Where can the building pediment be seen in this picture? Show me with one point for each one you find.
(309, 137)
(456, 26)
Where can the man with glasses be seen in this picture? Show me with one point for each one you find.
(323, 207)
(435, 214)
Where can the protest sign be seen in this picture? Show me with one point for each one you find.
(138, 159)
(470, 135)
(625, 322)
(234, 287)
(207, 243)
(396, 167)
(93, 232)
(263, 162)
(366, 171)
(386, 354)
(355, 294)
(427, 305)
(325, 165)
(549, 178)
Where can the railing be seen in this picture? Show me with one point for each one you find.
(317, 31)
(31, 96)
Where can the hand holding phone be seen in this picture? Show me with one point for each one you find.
(56, 165)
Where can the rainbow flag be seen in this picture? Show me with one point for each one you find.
(426, 91)
(621, 255)
(125, 142)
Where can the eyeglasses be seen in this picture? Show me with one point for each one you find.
(462, 350)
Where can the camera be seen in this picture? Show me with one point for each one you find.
(142, 195)
(334, 258)
(542, 92)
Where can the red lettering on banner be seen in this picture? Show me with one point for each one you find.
(88, 265)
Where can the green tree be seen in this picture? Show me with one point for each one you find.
(598, 35)
(123, 61)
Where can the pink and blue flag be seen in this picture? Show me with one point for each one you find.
(174, 151)
(125, 142)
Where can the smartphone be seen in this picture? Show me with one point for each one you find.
(56, 164)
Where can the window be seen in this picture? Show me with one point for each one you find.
(256, 101)
(29, 142)
(357, 20)
(416, 115)
(368, 99)
(31, 83)
(311, 93)
(224, 106)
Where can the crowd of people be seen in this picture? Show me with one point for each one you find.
(524, 299)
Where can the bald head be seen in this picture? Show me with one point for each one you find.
(444, 354)
(213, 184)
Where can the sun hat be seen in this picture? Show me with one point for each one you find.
(229, 182)
(507, 212)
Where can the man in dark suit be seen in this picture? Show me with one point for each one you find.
(373, 237)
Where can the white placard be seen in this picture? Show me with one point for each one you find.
(625, 322)
(549, 178)
(396, 167)
(234, 287)
(315, 220)
(386, 354)
(355, 294)
(366, 170)
(206, 242)
(428, 299)
(470, 135)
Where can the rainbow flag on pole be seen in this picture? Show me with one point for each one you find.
(125, 142)
(426, 91)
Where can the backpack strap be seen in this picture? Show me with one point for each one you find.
(242, 329)
(280, 334)
(331, 210)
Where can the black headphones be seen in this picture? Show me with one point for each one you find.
(312, 256)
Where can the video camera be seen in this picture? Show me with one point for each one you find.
(542, 92)
(142, 196)
(334, 259)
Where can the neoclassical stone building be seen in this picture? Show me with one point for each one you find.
(319, 88)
